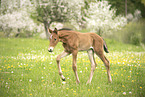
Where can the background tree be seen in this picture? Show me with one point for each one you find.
(132, 5)
(51, 11)
(15, 17)
(102, 19)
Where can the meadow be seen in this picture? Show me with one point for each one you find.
(27, 69)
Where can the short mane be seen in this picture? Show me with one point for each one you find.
(64, 29)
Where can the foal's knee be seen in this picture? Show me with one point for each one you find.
(74, 67)
(107, 65)
(93, 67)
(57, 59)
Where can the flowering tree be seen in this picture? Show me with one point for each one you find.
(102, 18)
(15, 16)
(51, 11)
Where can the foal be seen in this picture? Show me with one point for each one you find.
(73, 42)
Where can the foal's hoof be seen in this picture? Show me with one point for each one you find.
(63, 79)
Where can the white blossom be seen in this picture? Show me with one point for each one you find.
(100, 17)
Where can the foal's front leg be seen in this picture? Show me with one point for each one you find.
(74, 66)
(63, 54)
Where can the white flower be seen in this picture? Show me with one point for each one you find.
(63, 82)
(124, 93)
(30, 80)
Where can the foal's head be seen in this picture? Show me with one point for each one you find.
(54, 39)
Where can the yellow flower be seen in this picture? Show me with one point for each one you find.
(123, 86)
(30, 94)
(140, 87)
(88, 89)
(67, 88)
(8, 67)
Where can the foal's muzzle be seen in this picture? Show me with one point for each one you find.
(50, 49)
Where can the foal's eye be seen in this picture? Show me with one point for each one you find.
(55, 39)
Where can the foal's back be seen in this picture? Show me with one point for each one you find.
(83, 41)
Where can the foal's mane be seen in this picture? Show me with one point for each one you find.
(64, 29)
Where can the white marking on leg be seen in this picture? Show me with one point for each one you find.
(91, 57)
(63, 54)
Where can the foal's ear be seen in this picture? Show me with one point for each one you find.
(55, 30)
(50, 31)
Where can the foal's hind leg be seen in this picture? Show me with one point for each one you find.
(106, 62)
(74, 65)
(63, 54)
(93, 64)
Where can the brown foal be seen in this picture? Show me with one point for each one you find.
(73, 42)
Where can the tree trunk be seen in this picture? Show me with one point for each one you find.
(99, 32)
(125, 7)
(46, 26)
(18, 32)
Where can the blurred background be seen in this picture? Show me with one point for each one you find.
(121, 20)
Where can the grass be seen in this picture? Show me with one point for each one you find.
(27, 69)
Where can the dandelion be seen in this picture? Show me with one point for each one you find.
(88, 89)
(30, 94)
(140, 87)
(123, 86)
(74, 91)
(67, 88)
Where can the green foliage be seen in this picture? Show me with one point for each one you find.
(133, 33)
(28, 69)
(132, 5)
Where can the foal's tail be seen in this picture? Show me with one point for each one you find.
(105, 46)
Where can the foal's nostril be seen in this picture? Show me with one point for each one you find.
(50, 49)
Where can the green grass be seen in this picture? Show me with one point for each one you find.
(28, 69)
